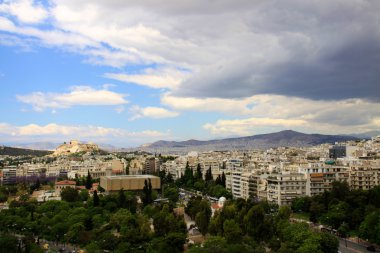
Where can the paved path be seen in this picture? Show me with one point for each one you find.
(352, 247)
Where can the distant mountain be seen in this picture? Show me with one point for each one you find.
(37, 145)
(262, 141)
(22, 151)
(366, 135)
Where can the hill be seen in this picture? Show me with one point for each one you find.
(22, 151)
(285, 138)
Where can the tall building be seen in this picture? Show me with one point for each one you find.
(283, 188)
(337, 151)
(9, 175)
(364, 175)
(319, 177)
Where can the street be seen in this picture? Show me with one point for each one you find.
(352, 247)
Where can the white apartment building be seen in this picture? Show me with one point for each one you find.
(364, 175)
(283, 188)
(320, 176)
(9, 175)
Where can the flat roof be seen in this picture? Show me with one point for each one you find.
(130, 176)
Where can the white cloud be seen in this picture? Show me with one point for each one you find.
(297, 48)
(151, 112)
(241, 127)
(266, 113)
(154, 78)
(56, 132)
(79, 95)
(252, 126)
(27, 11)
(342, 112)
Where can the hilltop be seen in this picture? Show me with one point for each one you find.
(22, 151)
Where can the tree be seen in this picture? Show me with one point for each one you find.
(169, 178)
(218, 180)
(121, 199)
(223, 180)
(370, 227)
(175, 241)
(37, 184)
(88, 181)
(172, 194)
(202, 217)
(328, 243)
(69, 194)
(147, 193)
(188, 177)
(215, 244)
(208, 176)
(8, 243)
(84, 195)
(254, 222)
(301, 204)
(96, 198)
(198, 175)
(232, 231)
(202, 222)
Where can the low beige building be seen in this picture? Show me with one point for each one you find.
(128, 182)
(59, 186)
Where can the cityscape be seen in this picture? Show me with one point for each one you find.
(189, 126)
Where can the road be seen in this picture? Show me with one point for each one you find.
(352, 247)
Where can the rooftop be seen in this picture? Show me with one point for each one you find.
(65, 182)
(130, 176)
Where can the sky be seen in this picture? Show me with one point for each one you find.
(132, 72)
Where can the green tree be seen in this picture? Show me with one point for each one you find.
(147, 193)
(254, 222)
(188, 178)
(301, 204)
(121, 199)
(202, 222)
(208, 176)
(328, 243)
(223, 180)
(88, 181)
(232, 231)
(8, 243)
(370, 227)
(215, 244)
(84, 195)
(69, 194)
(198, 174)
(96, 198)
(172, 194)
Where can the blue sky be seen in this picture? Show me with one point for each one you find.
(133, 72)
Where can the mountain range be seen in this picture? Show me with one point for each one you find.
(284, 138)
(262, 141)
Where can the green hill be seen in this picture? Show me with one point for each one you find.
(21, 151)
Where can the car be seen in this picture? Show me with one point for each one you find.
(371, 248)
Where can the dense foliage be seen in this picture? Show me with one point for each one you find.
(246, 226)
(208, 186)
(355, 212)
(113, 222)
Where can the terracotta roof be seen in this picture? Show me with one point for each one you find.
(215, 206)
(65, 182)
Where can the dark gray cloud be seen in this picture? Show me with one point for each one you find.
(325, 51)
(312, 49)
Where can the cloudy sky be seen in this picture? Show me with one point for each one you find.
(131, 72)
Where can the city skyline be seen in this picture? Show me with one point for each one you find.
(128, 73)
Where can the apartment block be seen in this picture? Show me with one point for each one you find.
(283, 188)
